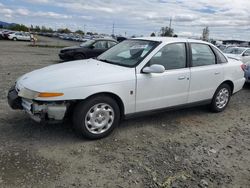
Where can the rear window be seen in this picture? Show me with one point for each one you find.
(220, 57)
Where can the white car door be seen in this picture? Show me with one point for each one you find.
(161, 90)
(206, 73)
(18, 36)
(246, 56)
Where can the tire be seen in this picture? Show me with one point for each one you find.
(15, 39)
(79, 56)
(96, 117)
(221, 98)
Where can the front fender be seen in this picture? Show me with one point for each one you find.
(125, 90)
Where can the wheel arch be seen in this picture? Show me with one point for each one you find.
(230, 83)
(113, 96)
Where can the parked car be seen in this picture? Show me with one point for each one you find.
(247, 71)
(120, 38)
(239, 53)
(88, 49)
(5, 34)
(21, 36)
(136, 76)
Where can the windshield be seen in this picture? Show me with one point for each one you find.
(87, 43)
(128, 53)
(234, 51)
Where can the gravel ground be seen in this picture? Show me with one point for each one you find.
(184, 148)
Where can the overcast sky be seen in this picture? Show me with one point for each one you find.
(227, 19)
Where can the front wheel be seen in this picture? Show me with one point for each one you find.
(15, 39)
(221, 98)
(97, 117)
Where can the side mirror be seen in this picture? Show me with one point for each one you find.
(156, 68)
(91, 47)
(246, 54)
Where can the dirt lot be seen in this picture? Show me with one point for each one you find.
(185, 148)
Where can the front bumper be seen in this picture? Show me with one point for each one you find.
(15, 102)
(37, 110)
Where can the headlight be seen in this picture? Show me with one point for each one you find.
(29, 94)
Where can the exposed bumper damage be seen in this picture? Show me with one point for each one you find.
(38, 111)
(45, 111)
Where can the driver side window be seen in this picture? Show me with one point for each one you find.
(171, 56)
(100, 45)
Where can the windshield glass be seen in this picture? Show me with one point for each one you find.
(87, 43)
(234, 50)
(128, 53)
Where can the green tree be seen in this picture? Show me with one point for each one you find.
(19, 27)
(80, 32)
(152, 35)
(65, 30)
(166, 32)
(37, 29)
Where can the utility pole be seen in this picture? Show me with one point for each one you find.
(113, 30)
(84, 27)
(170, 23)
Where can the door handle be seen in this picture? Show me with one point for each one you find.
(216, 73)
(181, 77)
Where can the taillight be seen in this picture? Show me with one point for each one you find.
(243, 67)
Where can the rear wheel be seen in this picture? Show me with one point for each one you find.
(79, 56)
(96, 117)
(15, 39)
(221, 98)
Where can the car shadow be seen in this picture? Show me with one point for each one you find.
(20, 127)
(246, 86)
(165, 119)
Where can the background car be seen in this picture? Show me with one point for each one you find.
(5, 34)
(247, 72)
(239, 53)
(21, 36)
(88, 49)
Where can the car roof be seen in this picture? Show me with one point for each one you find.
(171, 39)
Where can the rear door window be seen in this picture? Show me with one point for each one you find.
(202, 55)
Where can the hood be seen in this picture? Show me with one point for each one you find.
(73, 74)
(71, 48)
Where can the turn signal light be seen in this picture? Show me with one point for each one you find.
(47, 95)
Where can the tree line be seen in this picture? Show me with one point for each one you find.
(43, 29)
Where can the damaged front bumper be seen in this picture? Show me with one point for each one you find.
(38, 110)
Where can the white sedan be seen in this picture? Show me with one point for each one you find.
(239, 53)
(134, 77)
(21, 36)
